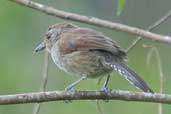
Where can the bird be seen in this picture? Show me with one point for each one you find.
(88, 54)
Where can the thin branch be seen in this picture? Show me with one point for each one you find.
(93, 21)
(45, 72)
(99, 108)
(161, 77)
(149, 57)
(44, 81)
(150, 28)
(39, 97)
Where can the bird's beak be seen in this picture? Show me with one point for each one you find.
(40, 47)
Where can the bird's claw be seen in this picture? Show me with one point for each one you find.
(69, 89)
(106, 90)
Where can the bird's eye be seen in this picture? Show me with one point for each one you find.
(48, 36)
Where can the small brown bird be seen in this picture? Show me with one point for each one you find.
(88, 54)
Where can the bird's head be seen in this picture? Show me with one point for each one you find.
(52, 35)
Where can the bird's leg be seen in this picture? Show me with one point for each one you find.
(71, 86)
(104, 88)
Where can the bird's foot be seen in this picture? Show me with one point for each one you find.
(106, 90)
(69, 89)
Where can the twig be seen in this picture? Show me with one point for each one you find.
(99, 108)
(149, 56)
(150, 28)
(44, 81)
(39, 97)
(161, 78)
(93, 21)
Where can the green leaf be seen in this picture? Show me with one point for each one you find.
(121, 5)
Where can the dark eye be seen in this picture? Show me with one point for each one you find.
(48, 36)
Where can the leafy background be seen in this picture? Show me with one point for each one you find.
(21, 29)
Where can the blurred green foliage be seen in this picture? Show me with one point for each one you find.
(21, 29)
(120, 6)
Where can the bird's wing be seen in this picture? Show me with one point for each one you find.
(87, 39)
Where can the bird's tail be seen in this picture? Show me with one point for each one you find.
(131, 76)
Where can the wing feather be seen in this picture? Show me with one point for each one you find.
(86, 39)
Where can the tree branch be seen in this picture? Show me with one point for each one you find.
(150, 28)
(93, 21)
(37, 97)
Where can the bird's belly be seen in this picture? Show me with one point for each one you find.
(85, 63)
(81, 63)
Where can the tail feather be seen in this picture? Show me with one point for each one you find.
(131, 76)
